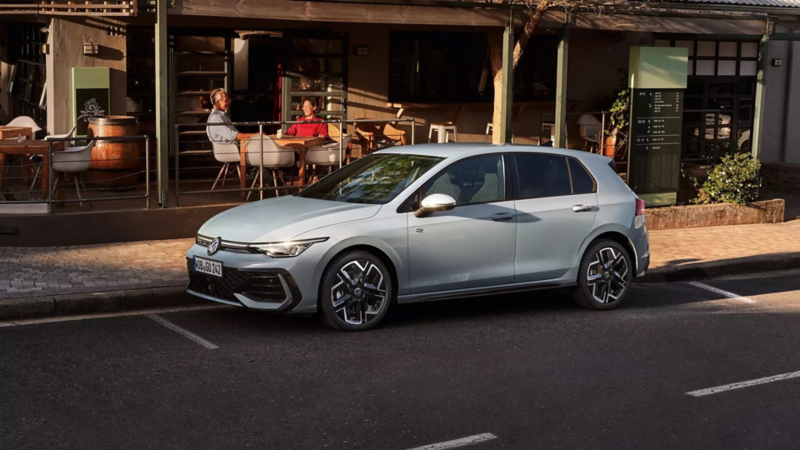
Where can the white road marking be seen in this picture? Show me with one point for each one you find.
(743, 384)
(140, 312)
(188, 334)
(463, 442)
(730, 295)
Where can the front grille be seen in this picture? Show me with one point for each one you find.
(258, 286)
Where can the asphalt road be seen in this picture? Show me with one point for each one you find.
(519, 372)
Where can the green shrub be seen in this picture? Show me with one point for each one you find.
(733, 180)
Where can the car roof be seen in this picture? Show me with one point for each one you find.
(465, 150)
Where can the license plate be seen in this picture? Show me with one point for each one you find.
(208, 267)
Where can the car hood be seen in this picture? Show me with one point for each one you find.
(280, 219)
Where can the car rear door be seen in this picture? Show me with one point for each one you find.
(556, 204)
(471, 245)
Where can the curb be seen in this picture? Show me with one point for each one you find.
(72, 304)
(715, 269)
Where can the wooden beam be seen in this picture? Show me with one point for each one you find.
(162, 115)
(508, 83)
(561, 89)
(758, 119)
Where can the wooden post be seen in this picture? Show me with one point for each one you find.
(507, 99)
(561, 89)
(761, 80)
(162, 115)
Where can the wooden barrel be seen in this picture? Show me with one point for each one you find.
(115, 162)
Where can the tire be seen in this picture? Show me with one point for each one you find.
(604, 276)
(355, 292)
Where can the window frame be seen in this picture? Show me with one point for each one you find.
(407, 205)
(518, 178)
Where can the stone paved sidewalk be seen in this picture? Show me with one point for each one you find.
(35, 272)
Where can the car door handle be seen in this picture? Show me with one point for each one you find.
(499, 217)
(582, 208)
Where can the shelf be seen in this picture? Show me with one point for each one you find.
(198, 73)
(193, 113)
(317, 94)
(192, 93)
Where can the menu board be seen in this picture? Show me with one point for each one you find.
(655, 140)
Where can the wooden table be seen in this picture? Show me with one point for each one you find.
(12, 147)
(12, 133)
(297, 143)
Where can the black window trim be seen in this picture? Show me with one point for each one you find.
(518, 190)
(404, 207)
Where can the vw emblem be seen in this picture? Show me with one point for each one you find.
(213, 247)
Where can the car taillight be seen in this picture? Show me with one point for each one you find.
(639, 207)
(639, 219)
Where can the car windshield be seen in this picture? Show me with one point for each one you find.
(373, 179)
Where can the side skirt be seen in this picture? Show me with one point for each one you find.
(478, 292)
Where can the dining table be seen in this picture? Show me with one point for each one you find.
(27, 147)
(300, 144)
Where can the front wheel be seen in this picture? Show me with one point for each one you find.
(604, 276)
(355, 292)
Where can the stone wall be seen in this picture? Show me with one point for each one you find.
(698, 216)
(786, 175)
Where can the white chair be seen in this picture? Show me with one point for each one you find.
(36, 160)
(328, 155)
(443, 130)
(72, 160)
(25, 121)
(591, 131)
(227, 154)
(273, 157)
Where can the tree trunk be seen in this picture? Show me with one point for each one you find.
(496, 59)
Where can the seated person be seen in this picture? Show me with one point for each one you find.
(227, 134)
(315, 128)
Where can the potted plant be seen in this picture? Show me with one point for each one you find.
(616, 135)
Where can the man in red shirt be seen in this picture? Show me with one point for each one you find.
(312, 129)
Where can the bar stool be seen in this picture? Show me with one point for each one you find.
(552, 127)
(490, 129)
(443, 130)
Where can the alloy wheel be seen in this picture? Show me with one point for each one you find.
(607, 275)
(359, 295)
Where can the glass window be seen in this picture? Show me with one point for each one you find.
(705, 67)
(728, 49)
(373, 179)
(476, 180)
(727, 68)
(748, 68)
(542, 176)
(662, 43)
(749, 49)
(582, 183)
(706, 48)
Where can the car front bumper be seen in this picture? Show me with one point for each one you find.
(256, 281)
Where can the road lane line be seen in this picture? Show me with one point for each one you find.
(743, 384)
(185, 333)
(730, 295)
(110, 315)
(463, 442)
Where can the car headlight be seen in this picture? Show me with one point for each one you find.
(285, 249)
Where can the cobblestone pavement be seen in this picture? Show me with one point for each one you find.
(33, 272)
(40, 271)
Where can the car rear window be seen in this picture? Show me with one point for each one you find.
(582, 182)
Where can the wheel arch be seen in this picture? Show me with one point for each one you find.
(620, 239)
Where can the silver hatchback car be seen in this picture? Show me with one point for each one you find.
(428, 222)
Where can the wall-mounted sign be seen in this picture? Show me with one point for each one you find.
(91, 95)
(657, 80)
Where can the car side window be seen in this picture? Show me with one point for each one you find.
(582, 182)
(542, 175)
(475, 180)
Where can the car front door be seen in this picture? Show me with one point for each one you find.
(556, 203)
(471, 245)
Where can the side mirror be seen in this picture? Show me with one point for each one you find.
(435, 202)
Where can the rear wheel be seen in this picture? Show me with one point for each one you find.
(604, 276)
(355, 292)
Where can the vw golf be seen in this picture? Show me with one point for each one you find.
(428, 222)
